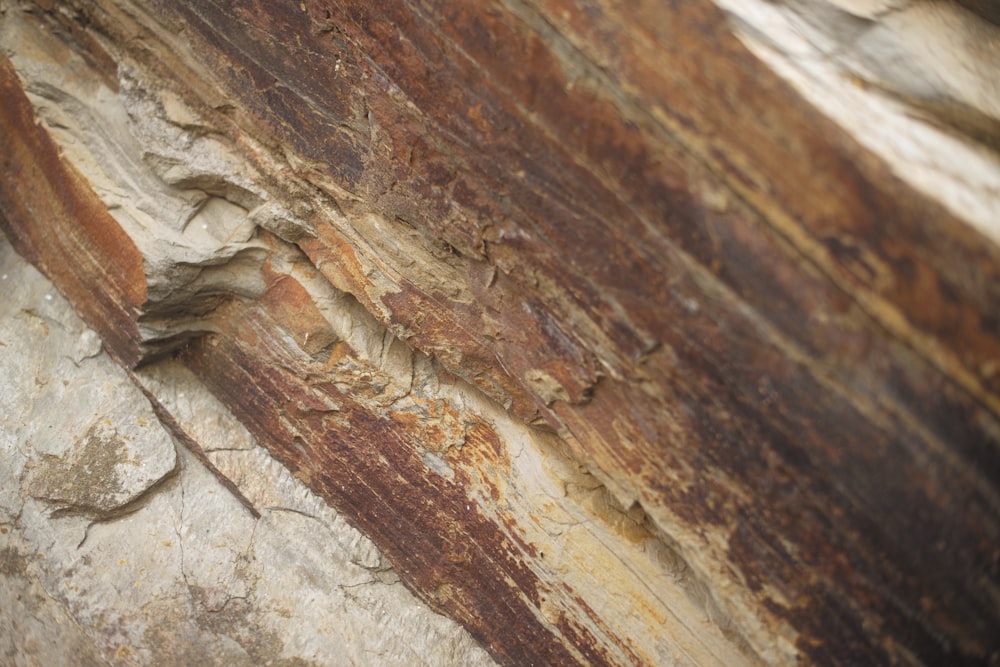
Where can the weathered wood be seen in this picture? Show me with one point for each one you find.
(617, 224)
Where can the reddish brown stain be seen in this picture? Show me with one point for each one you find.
(449, 554)
(578, 180)
(60, 224)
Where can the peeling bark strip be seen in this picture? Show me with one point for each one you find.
(620, 224)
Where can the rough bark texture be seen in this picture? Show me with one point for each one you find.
(620, 349)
